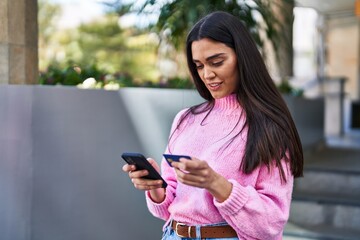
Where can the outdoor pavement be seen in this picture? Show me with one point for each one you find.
(339, 154)
(347, 140)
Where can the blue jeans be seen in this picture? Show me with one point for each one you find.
(170, 234)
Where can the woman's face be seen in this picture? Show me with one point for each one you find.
(216, 65)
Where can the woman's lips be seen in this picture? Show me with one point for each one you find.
(214, 86)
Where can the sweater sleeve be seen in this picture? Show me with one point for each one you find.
(260, 211)
(160, 210)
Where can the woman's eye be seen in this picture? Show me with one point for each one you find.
(217, 63)
(199, 66)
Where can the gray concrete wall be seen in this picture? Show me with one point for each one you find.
(16, 162)
(60, 165)
(309, 118)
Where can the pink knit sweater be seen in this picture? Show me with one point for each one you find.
(258, 206)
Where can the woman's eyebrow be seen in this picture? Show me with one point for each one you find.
(210, 57)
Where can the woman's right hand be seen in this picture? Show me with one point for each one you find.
(157, 193)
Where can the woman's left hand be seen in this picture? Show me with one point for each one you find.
(198, 173)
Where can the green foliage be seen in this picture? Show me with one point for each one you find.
(267, 20)
(48, 15)
(128, 57)
(71, 75)
(74, 75)
(286, 88)
(117, 50)
(101, 42)
(180, 15)
(178, 82)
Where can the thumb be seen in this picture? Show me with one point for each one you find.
(154, 164)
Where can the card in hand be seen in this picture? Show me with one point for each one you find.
(174, 158)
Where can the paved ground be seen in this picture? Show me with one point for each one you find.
(291, 238)
(348, 140)
(296, 238)
(335, 158)
(339, 154)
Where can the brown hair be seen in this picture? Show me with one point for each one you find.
(272, 135)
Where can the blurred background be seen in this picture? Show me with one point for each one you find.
(140, 43)
(82, 81)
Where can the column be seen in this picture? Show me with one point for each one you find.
(18, 42)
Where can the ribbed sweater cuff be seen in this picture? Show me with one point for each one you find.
(235, 201)
(159, 209)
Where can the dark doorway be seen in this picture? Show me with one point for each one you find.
(355, 115)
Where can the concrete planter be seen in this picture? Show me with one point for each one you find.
(60, 164)
(308, 115)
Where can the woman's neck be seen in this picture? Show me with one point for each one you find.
(227, 102)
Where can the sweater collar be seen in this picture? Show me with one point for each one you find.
(227, 102)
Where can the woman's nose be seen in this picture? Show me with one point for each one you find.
(208, 73)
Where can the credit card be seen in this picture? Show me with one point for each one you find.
(174, 158)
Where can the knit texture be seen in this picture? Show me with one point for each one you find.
(258, 206)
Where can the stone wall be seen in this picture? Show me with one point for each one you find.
(18, 42)
(343, 52)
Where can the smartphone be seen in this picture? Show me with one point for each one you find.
(142, 163)
(174, 158)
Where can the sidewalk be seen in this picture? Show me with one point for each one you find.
(326, 169)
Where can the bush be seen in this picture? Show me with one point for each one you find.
(74, 75)
(93, 77)
(286, 88)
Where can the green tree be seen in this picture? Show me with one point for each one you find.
(104, 43)
(267, 20)
(180, 15)
(48, 16)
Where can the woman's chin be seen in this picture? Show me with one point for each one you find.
(218, 95)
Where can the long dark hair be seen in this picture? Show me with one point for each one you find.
(272, 135)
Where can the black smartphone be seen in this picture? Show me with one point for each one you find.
(174, 158)
(142, 163)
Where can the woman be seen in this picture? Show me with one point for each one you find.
(244, 147)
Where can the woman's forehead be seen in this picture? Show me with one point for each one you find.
(205, 48)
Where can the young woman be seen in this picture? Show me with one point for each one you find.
(244, 147)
